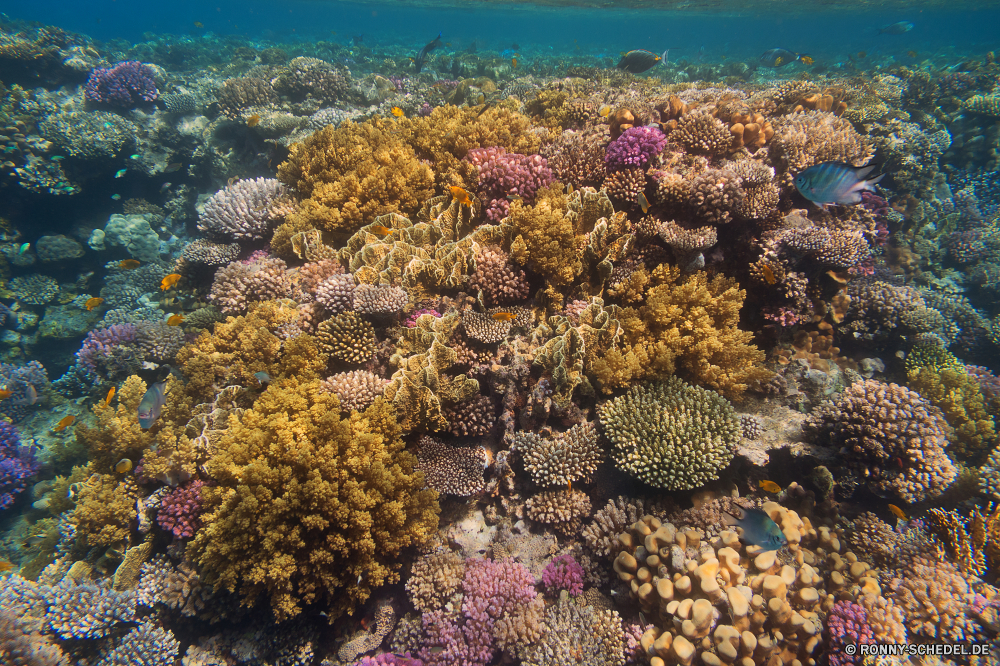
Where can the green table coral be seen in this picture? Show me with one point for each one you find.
(670, 434)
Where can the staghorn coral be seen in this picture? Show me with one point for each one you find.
(356, 389)
(148, 644)
(670, 434)
(890, 436)
(561, 459)
(350, 174)
(346, 338)
(344, 519)
(452, 470)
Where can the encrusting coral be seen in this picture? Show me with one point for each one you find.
(308, 507)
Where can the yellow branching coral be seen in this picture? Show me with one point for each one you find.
(350, 174)
(105, 510)
(546, 239)
(688, 326)
(242, 346)
(959, 396)
(309, 508)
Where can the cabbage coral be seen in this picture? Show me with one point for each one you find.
(308, 507)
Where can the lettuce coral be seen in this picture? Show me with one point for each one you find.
(350, 174)
(307, 507)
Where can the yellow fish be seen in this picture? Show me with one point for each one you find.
(643, 202)
(604, 111)
(93, 302)
(379, 230)
(503, 316)
(398, 112)
(128, 264)
(124, 465)
(5, 566)
(513, 62)
(253, 120)
(769, 486)
(896, 511)
(807, 60)
(5, 393)
(460, 195)
(64, 422)
(768, 274)
(111, 394)
(175, 320)
(170, 281)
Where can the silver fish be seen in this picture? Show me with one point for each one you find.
(897, 28)
(151, 405)
(835, 183)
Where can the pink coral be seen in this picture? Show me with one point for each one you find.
(180, 510)
(503, 174)
(563, 573)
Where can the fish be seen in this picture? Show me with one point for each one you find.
(503, 316)
(380, 230)
(768, 274)
(862, 55)
(169, 281)
(172, 167)
(116, 197)
(199, 24)
(643, 202)
(604, 111)
(34, 539)
(151, 405)
(24, 248)
(836, 183)
(769, 486)
(422, 56)
(64, 422)
(120, 173)
(460, 195)
(262, 377)
(124, 466)
(5, 393)
(398, 112)
(897, 28)
(513, 63)
(57, 158)
(912, 54)
(808, 60)
(253, 120)
(779, 57)
(31, 393)
(165, 186)
(111, 394)
(758, 529)
(128, 264)
(896, 511)
(175, 320)
(93, 303)
(134, 156)
(638, 61)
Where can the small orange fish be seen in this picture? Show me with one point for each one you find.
(503, 316)
(379, 230)
(769, 486)
(5, 393)
(807, 60)
(896, 511)
(398, 112)
(93, 302)
(253, 120)
(768, 274)
(169, 281)
(460, 195)
(175, 320)
(64, 422)
(513, 63)
(111, 394)
(124, 465)
(128, 264)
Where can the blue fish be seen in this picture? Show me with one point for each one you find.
(262, 377)
(758, 529)
(23, 248)
(120, 173)
(151, 405)
(897, 28)
(835, 183)
(57, 158)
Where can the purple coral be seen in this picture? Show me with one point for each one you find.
(503, 174)
(106, 348)
(127, 85)
(411, 321)
(17, 464)
(636, 147)
(389, 659)
(180, 510)
(563, 573)
(847, 624)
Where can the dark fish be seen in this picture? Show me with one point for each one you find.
(358, 39)
(758, 529)
(779, 57)
(638, 61)
(422, 56)
(897, 28)
(835, 183)
(151, 405)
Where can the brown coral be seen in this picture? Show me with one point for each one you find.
(347, 338)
